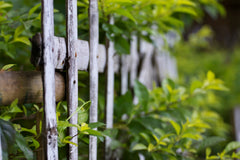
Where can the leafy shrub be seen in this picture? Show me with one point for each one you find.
(169, 122)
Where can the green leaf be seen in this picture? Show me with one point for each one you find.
(186, 2)
(111, 132)
(168, 85)
(209, 142)
(82, 117)
(232, 146)
(7, 67)
(96, 125)
(35, 143)
(125, 13)
(84, 127)
(7, 133)
(24, 40)
(176, 126)
(210, 76)
(64, 124)
(116, 144)
(18, 31)
(5, 5)
(22, 144)
(195, 85)
(192, 136)
(139, 146)
(208, 152)
(32, 10)
(32, 130)
(146, 137)
(121, 45)
(82, 107)
(14, 107)
(186, 10)
(123, 105)
(94, 132)
(142, 94)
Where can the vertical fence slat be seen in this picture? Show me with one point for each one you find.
(134, 60)
(124, 74)
(236, 116)
(110, 92)
(0, 146)
(49, 80)
(93, 48)
(72, 74)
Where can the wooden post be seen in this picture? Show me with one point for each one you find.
(27, 87)
(51, 145)
(109, 93)
(93, 48)
(72, 74)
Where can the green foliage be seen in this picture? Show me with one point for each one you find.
(15, 144)
(173, 124)
(7, 133)
(167, 123)
(84, 129)
(225, 153)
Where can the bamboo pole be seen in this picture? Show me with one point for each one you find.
(109, 93)
(93, 48)
(72, 74)
(27, 87)
(51, 145)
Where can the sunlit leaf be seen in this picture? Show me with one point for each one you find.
(24, 40)
(176, 126)
(32, 10)
(232, 146)
(7, 67)
(139, 146)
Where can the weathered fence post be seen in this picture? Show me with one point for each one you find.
(124, 73)
(93, 48)
(236, 116)
(109, 92)
(146, 72)
(72, 74)
(0, 147)
(134, 60)
(51, 134)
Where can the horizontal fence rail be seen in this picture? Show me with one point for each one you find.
(27, 87)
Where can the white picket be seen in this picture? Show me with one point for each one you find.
(109, 93)
(134, 60)
(0, 148)
(49, 80)
(93, 49)
(124, 73)
(236, 116)
(72, 74)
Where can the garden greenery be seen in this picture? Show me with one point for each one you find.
(169, 122)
